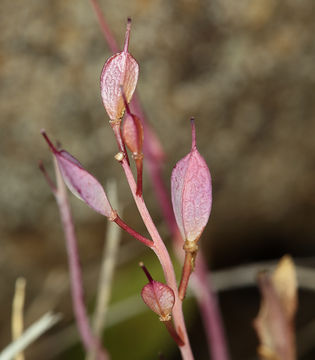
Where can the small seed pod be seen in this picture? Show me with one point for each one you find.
(158, 297)
(119, 71)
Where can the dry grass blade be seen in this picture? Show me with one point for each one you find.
(275, 322)
(17, 321)
(30, 335)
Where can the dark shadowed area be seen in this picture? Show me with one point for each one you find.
(245, 69)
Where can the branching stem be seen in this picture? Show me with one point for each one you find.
(132, 232)
(161, 252)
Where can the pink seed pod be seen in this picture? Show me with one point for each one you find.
(191, 192)
(158, 297)
(81, 183)
(119, 71)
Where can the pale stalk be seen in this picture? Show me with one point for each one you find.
(17, 312)
(29, 336)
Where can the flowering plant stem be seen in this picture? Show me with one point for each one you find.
(153, 152)
(89, 341)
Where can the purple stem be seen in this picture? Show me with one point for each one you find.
(104, 27)
(209, 307)
(89, 341)
(132, 232)
(146, 271)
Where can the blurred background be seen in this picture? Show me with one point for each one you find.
(246, 71)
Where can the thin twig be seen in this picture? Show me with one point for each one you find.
(104, 27)
(88, 339)
(29, 336)
(110, 252)
(206, 296)
(132, 232)
(17, 312)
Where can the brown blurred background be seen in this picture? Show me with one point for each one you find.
(245, 69)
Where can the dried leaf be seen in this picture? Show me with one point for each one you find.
(191, 193)
(275, 321)
(285, 283)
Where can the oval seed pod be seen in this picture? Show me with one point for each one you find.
(120, 70)
(191, 192)
(81, 183)
(158, 297)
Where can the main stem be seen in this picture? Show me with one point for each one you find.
(154, 154)
(165, 260)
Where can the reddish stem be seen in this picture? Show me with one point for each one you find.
(50, 144)
(146, 271)
(48, 178)
(209, 307)
(170, 328)
(104, 27)
(139, 165)
(186, 272)
(132, 232)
